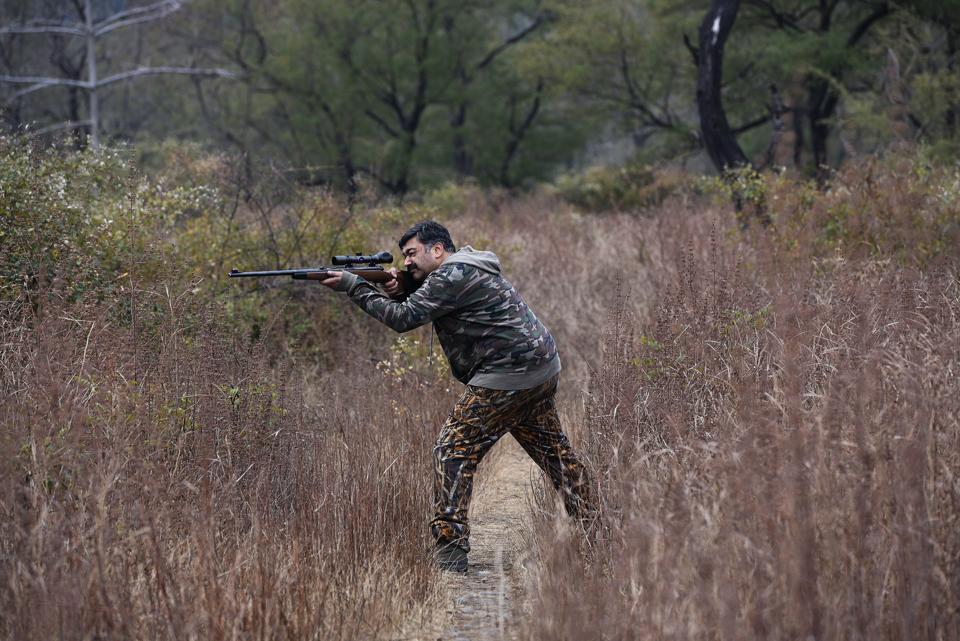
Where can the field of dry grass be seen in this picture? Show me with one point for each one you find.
(777, 447)
(167, 476)
(770, 417)
(177, 486)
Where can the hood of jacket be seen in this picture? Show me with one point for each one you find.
(467, 255)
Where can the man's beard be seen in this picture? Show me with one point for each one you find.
(419, 275)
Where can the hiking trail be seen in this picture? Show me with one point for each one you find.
(482, 602)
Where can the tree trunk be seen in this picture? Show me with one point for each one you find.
(400, 184)
(798, 136)
(462, 160)
(92, 76)
(822, 106)
(518, 133)
(819, 134)
(73, 114)
(718, 139)
(953, 44)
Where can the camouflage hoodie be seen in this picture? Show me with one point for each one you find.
(489, 335)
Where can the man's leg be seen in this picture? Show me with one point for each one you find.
(469, 433)
(539, 433)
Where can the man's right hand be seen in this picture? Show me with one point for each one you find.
(393, 288)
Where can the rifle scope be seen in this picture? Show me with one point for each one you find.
(382, 257)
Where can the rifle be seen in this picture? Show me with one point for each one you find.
(365, 267)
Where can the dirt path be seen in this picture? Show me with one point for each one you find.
(483, 599)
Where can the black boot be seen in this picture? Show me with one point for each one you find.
(451, 557)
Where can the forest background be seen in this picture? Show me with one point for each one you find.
(760, 366)
(408, 95)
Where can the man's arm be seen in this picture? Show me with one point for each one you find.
(393, 288)
(437, 296)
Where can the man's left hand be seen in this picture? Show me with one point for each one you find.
(332, 280)
(392, 288)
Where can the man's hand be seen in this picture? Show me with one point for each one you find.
(332, 279)
(392, 288)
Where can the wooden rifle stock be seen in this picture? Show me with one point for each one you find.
(371, 273)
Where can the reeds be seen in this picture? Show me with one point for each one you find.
(171, 482)
(770, 418)
(168, 476)
(776, 451)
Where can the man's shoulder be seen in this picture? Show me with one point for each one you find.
(462, 285)
(457, 272)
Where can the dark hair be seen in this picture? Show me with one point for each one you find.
(429, 232)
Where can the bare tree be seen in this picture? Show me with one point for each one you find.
(849, 22)
(91, 31)
(467, 70)
(718, 138)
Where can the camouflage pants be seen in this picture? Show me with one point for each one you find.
(480, 418)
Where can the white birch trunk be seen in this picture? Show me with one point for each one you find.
(92, 76)
(90, 30)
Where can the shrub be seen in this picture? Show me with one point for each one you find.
(899, 207)
(57, 218)
(775, 452)
(632, 187)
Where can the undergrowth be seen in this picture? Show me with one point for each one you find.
(770, 415)
(775, 448)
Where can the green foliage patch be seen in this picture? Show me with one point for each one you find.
(632, 187)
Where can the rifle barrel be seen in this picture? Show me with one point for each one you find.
(235, 273)
(374, 274)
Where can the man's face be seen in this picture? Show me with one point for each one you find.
(419, 259)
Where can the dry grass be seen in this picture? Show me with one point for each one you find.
(166, 477)
(771, 419)
(166, 481)
(777, 450)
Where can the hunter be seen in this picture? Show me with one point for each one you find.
(496, 346)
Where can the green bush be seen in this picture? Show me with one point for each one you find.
(897, 206)
(82, 224)
(56, 218)
(89, 227)
(632, 187)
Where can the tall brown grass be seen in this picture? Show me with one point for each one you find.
(163, 479)
(771, 421)
(777, 448)
(169, 475)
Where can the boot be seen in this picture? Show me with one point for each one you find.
(451, 557)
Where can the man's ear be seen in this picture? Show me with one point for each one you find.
(437, 250)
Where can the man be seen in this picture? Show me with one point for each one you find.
(497, 347)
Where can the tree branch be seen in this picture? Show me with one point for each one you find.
(880, 12)
(532, 113)
(153, 71)
(40, 27)
(116, 21)
(518, 133)
(777, 110)
(138, 11)
(160, 13)
(636, 100)
(23, 92)
(509, 42)
(782, 20)
(694, 52)
(370, 113)
(752, 124)
(44, 81)
(392, 100)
